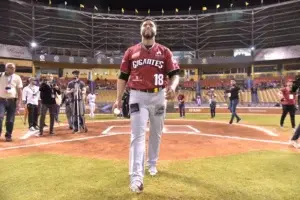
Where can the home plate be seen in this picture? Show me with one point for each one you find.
(29, 134)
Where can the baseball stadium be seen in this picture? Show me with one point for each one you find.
(202, 155)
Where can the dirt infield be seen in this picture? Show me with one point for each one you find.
(182, 139)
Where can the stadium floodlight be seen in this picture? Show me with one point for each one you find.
(252, 48)
(33, 44)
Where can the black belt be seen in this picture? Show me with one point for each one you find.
(153, 90)
(7, 99)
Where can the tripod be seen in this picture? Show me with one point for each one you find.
(78, 104)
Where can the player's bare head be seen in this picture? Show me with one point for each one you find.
(148, 29)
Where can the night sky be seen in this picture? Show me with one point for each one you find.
(157, 5)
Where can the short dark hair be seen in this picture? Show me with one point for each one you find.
(148, 19)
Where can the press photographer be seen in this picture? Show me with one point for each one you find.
(48, 92)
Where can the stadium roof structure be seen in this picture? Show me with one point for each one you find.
(69, 32)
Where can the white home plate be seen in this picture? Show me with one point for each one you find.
(29, 134)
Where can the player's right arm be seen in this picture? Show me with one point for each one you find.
(123, 78)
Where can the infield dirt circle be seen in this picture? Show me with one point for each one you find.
(182, 139)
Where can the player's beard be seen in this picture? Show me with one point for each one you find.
(148, 34)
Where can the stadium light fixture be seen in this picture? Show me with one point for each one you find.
(33, 44)
(252, 48)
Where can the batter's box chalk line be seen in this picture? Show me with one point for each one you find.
(168, 129)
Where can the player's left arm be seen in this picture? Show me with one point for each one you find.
(172, 70)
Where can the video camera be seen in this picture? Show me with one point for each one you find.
(296, 84)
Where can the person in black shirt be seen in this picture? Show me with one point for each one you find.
(48, 91)
(68, 109)
(77, 89)
(234, 92)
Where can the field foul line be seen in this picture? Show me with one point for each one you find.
(108, 129)
(56, 142)
(112, 134)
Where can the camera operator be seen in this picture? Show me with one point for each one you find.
(77, 89)
(48, 92)
(288, 101)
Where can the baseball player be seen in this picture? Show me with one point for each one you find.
(181, 105)
(145, 68)
(91, 98)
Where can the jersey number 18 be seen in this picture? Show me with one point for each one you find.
(158, 79)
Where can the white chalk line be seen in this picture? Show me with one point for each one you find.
(29, 134)
(165, 129)
(117, 133)
(268, 132)
(57, 142)
(118, 120)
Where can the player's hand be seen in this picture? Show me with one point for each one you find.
(170, 93)
(117, 104)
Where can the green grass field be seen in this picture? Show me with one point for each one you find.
(260, 175)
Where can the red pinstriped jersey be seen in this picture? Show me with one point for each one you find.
(148, 68)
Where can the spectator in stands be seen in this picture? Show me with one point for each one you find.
(30, 97)
(254, 95)
(288, 102)
(234, 93)
(181, 104)
(10, 98)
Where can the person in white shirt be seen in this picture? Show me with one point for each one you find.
(10, 98)
(91, 98)
(31, 96)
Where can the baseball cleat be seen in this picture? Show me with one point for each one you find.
(136, 187)
(152, 170)
(295, 144)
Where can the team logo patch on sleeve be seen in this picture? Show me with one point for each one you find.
(159, 110)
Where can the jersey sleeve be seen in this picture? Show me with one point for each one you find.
(125, 65)
(171, 63)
